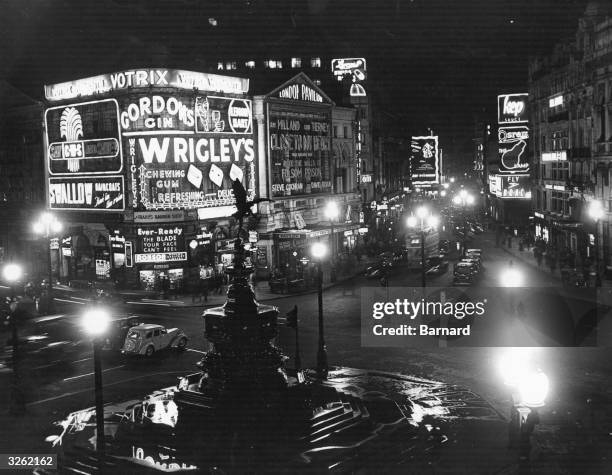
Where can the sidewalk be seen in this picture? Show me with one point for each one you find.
(527, 257)
(261, 288)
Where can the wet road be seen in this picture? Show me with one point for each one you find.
(577, 375)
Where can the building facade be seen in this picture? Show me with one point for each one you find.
(570, 96)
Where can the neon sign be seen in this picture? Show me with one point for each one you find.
(354, 67)
(514, 186)
(555, 101)
(512, 148)
(559, 155)
(424, 164)
(145, 78)
(512, 108)
(87, 193)
(84, 138)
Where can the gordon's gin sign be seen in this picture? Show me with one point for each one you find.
(512, 108)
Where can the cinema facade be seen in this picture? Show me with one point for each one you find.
(140, 164)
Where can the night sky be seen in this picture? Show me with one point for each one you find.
(436, 63)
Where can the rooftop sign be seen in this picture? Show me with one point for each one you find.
(143, 78)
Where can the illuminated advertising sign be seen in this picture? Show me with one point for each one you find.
(185, 151)
(559, 155)
(353, 67)
(300, 88)
(366, 178)
(513, 149)
(514, 186)
(555, 101)
(96, 193)
(424, 164)
(512, 108)
(160, 244)
(300, 151)
(145, 78)
(84, 139)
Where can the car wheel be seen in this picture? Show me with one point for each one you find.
(149, 351)
(182, 343)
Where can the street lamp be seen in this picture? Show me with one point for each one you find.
(332, 212)
(13, 273)
(425, 221)
(463, 198)
(95, 322)
(596, 212)
(47, 226)
(319, 251)
(530, 387)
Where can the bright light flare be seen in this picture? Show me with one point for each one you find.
(318, 250)
(596, 210)
(96, 321)
(433, 221)
(12, 272)
(421, 212)
(511, 278)
(412, 221)
(513, 363)
(331, 210)
(457, 200)
(533, 389)
(443, 193)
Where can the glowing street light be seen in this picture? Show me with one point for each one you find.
(425, 221)
(332, 211)
(319, 251)
(463, 199)
(12, 273)
(95, 323)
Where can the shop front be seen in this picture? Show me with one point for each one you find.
(161, 256)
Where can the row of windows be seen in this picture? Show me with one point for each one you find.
(268, 64)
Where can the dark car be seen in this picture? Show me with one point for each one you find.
(118, 330)
(36, 352)
(464, 273)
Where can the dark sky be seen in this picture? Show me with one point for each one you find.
(435, 63)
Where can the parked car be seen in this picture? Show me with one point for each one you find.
(473, 260)
(147, 338)
(464, 273)
(118, 330)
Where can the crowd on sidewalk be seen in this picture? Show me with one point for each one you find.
(561, 262)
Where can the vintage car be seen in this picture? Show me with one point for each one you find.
(464, 273)
(147, 338)
(437, 265)
(119, 327)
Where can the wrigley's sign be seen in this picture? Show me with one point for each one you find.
(144, 78)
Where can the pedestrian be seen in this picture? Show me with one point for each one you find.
(204, 290)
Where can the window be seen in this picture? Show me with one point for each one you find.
(296, 62)
(345, 132)
(230, 65)
(317, 81)
(156, 332)
(273, 64)
(335, 131)
(315, 62)
(250, 64)
(219, 66)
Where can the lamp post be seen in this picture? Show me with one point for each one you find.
(13, 273)
(95, 323)
(530, 387)
(332, 212)
(319, 251)
(424, 221)
(47, 226)
(596, 212)
(463, 198)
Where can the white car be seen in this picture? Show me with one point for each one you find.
(147, 338)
